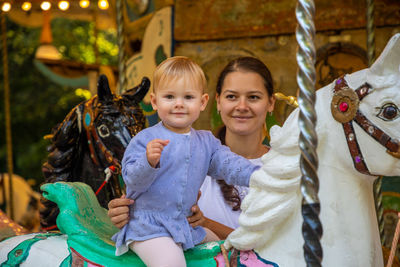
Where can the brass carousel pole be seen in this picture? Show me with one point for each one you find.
(95, 34)
(308, 140)
(7, 114)
(371, 58)
(122, 81)
(370, 32)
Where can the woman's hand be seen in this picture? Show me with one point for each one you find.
(197, 218)
(118, 211)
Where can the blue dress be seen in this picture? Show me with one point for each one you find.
(164, 195)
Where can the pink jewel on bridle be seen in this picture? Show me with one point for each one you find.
(344, 108)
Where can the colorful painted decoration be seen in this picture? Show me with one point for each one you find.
(344, 105)
(156, 47)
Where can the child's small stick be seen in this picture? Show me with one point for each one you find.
(394, 243)
(225, 254)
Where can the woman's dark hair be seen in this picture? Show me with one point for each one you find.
(247, 64)
(244, 64)
(229, 192)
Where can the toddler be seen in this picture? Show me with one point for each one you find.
(164, 166)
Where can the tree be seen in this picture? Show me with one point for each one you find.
(36, 103)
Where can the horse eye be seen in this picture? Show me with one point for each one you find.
(103, 131)
(389, 112)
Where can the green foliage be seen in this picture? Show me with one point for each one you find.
(37, 104)
(81, 41)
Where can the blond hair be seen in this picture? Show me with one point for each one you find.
(176, 67)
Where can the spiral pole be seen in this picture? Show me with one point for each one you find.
(370, 32)
(122, 81)
(379, 208)
(308, 140)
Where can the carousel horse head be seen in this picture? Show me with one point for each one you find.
(90, 142)
(358, 128)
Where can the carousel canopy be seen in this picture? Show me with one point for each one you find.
(30, 13)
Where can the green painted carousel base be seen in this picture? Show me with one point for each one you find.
(89, 229)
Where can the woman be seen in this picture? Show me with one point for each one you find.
(244, 97)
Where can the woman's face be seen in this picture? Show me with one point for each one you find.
(244, 102)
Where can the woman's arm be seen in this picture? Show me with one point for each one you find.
(198, 219)
(221, 230)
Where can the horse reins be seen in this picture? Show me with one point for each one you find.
(92, 136)
(345, 109)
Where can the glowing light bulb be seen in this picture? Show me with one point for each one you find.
(6, 7)
(63, 5)
(103, 4)
(84, 3)
(26, 6)
(45, 5)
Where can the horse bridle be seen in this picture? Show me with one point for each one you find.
(93, 138)
(345, 109)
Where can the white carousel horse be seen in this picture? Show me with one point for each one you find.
(271, 219)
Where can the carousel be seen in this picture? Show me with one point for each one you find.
(326, 192)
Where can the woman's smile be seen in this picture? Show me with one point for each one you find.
(242, 117)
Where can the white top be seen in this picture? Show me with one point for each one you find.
(213, 204)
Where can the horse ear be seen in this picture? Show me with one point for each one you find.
(137, 93)
(103, 89)
(389, 61)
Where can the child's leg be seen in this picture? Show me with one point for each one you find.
(210, 236)
(159, 252)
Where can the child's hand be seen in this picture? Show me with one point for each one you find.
(153, 151)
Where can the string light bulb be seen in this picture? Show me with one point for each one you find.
(45, 5)
(6, 7)
(26, 6)
(103, 4)
(63, 5)
(84, 3)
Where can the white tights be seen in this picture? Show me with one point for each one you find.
(163, 251)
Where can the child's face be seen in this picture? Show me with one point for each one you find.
(179, 103)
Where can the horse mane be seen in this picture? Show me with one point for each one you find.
(63, 147)
(274, 189)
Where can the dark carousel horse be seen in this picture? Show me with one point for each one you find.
(90, 143)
